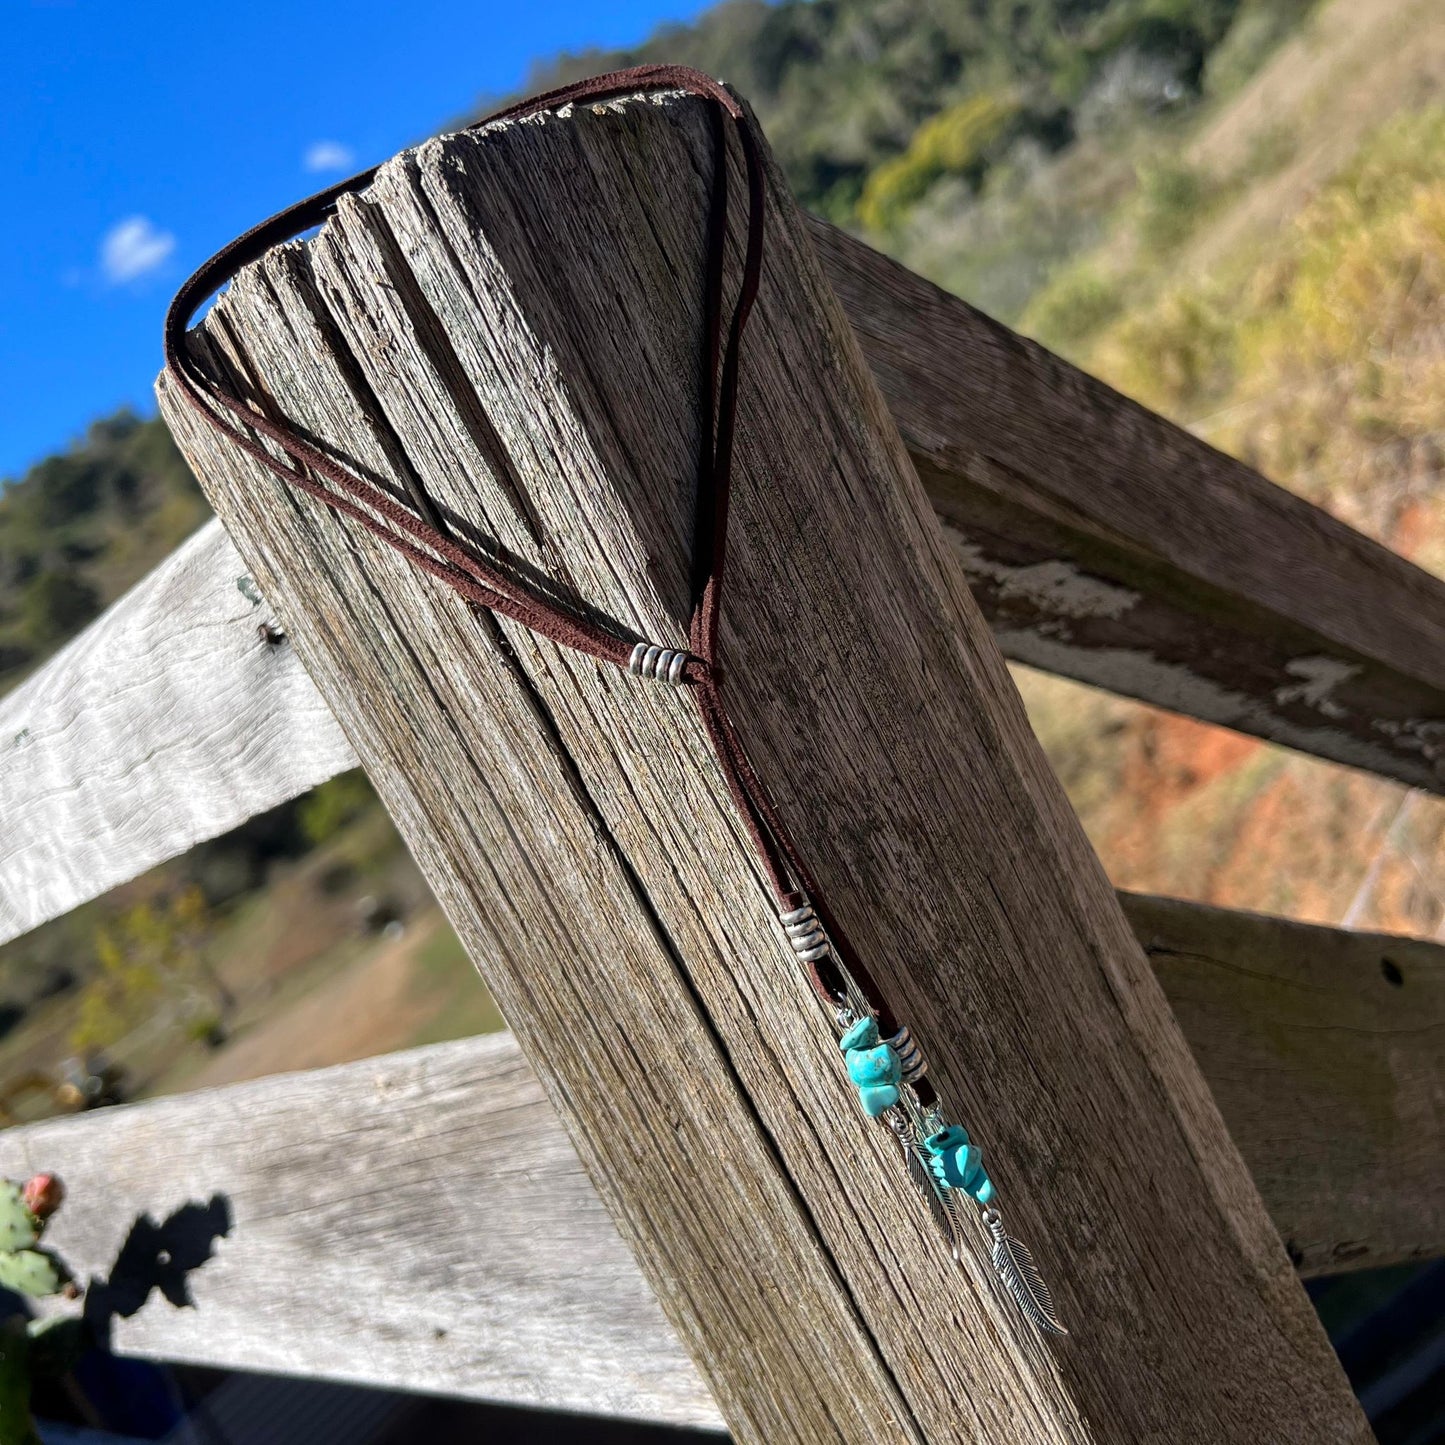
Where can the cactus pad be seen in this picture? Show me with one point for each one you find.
(19, 1228)
(30, 1271)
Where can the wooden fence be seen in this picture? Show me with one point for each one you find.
(440, 1182)
(1100, 542)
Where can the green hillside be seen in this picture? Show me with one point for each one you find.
(980, 141)
(82, 526)
(1291, 313)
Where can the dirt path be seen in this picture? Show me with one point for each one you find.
(369, 1008)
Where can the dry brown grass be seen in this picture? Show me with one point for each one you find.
(1319, 356)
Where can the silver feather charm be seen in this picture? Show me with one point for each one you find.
(921, 1175)
(953, 1202)
(1021, 1278)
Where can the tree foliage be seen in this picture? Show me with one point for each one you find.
(844, 87)
(151, 957)
(955, 142)
(328, 808)
(81, 526)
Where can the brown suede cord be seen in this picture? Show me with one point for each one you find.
(430, 547)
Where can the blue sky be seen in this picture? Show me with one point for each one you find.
(137, 137)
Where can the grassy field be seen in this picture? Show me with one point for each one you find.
(338, 954)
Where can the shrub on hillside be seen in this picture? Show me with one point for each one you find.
(1176, 357)
(327, 809)
(958, 142)
(1173, 196)
(55, 605)
(153, 955)
(1078, 300)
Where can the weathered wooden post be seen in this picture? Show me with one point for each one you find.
(511, 317)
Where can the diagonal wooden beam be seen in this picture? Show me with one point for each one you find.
(585, 850)
(1104, 543)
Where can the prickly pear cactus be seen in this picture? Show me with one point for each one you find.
(33, 1348)
(31, 1271)
(19, 1228)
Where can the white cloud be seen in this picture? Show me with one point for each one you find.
(133, 248)
(328, 155)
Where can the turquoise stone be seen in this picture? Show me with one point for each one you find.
(875, 1098)
(863, 1035)
(981, 1188)
(969, 1163)
(959, 1166)
(955, 1136)
(874, 1066)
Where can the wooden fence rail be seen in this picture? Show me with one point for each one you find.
(168, 721)
(431, 1199)
(1106, 544)
(1322, 1050)
(417, 1221)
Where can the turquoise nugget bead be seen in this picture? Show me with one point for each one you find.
(875, 1098)
(982, 1188)
(955, 1136)
(874, 1066)
(960, 1166)
(863, 1035)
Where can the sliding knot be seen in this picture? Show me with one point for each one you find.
(664, 664)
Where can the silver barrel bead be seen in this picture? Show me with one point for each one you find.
(805, 934)
(910, 1056)
(665, 664)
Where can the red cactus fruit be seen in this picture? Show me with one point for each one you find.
(43, 1195)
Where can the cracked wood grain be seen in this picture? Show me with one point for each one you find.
(572, 825)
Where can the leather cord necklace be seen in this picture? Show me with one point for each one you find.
(881, 1057)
